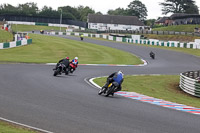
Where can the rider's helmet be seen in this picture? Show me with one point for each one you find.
(67, 58)
(120, 72)
(76, 58)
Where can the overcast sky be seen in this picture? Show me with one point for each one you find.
(153, 7)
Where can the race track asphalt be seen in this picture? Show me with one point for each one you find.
(31, 95)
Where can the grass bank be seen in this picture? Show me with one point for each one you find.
(178, 28)
(20, 27)
(164, 87)
(180, 38)
(9, 128)
(47, 49)
(5, 36)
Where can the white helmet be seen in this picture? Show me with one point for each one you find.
(76, 58)
(120, 72)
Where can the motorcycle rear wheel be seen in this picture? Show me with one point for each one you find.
(110, 91)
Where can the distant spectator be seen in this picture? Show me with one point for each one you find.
(6, 28)
(196, 30)
(27, 37)
(198, 79)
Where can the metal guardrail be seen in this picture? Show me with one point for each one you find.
(190, 82)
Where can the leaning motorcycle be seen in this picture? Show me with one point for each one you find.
(112, 87)
(152, 55)
(60, 69)
(72, 67)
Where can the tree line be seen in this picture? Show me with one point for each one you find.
(31, 9)
(135, 8)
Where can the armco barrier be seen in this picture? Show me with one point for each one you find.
(15, 44)
(190, 82)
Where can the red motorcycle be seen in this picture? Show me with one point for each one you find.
(72, 67)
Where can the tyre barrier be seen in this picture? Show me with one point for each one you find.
(190, 82)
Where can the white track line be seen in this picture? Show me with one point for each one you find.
(26, 126)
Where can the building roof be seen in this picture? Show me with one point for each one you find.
(114, 19)
(183, 15)
(162, 20)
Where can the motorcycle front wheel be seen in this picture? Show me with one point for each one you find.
(56, 72)
(110, 91)
(101, 91)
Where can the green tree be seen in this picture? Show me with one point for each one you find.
(99, 13)
(84, 11)
(28, 8)
(48, 11)
(149, 22)
(70, 12)
(137, 8)
(191, 9)
(118, 11)
(7, 7)
(179, 6)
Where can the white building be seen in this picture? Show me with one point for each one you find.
(113, 22)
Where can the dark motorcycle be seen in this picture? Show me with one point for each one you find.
(61, 68)
(41, 31)
(110, 90)
(152, 55)
(81, 38)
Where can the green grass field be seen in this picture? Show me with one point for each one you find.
(163, 87)
(180, 38)
(178, 28)
(9, 128)
(5, 36)
(20, 27)
(49, 49)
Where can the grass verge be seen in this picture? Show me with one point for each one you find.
(178, 28)
(164, 87)
(20, 27)
(180, 38)
(10, 128)
(48, 49)
(5, 36)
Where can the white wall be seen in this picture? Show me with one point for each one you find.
(1, 45)
(97, 35)
(102, 27)
(24, 42)
(76, 34)
(136, 37)
(49, 24)
(17, 22)
(57, 25)
(12, 44)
